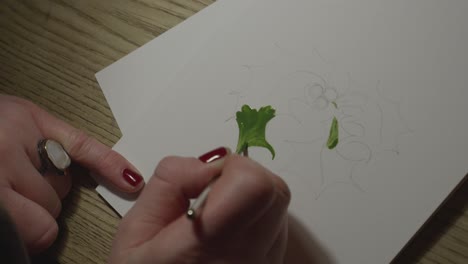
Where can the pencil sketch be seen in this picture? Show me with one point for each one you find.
(332, 127)
(339, 111)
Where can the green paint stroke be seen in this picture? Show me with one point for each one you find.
(333, 137)
(252, 126)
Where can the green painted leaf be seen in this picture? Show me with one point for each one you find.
(252, 125)
(333, 137)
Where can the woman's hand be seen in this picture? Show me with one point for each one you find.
(34, 200)
(244, 219)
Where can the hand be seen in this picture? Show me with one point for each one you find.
(33, 200)
(244, 219)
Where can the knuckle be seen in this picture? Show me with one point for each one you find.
(163, 176)
(80, 144)
(173, 193)
(14, 109)
(254, 179)
(108, 160)
(166, 167)
(260, 186)
(16, 115)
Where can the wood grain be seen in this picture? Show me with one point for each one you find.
(49, 53)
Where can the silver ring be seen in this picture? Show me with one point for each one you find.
(53, 156)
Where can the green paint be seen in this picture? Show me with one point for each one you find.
(333, 137)
(252, 125)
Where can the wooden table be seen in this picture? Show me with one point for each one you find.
(50, 51)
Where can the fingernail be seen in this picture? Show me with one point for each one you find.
(132, 177)
(213, 155)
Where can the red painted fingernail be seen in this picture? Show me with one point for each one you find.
(132, 177)
(213, 155)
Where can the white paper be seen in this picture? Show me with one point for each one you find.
(132, 84)
(398, 73)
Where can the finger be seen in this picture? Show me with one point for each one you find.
(60, 183)
(165, 198)
(175, 181)
(36, 227)
(27, 181)
(87, 151)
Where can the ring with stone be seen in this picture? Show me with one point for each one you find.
(53, 157)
